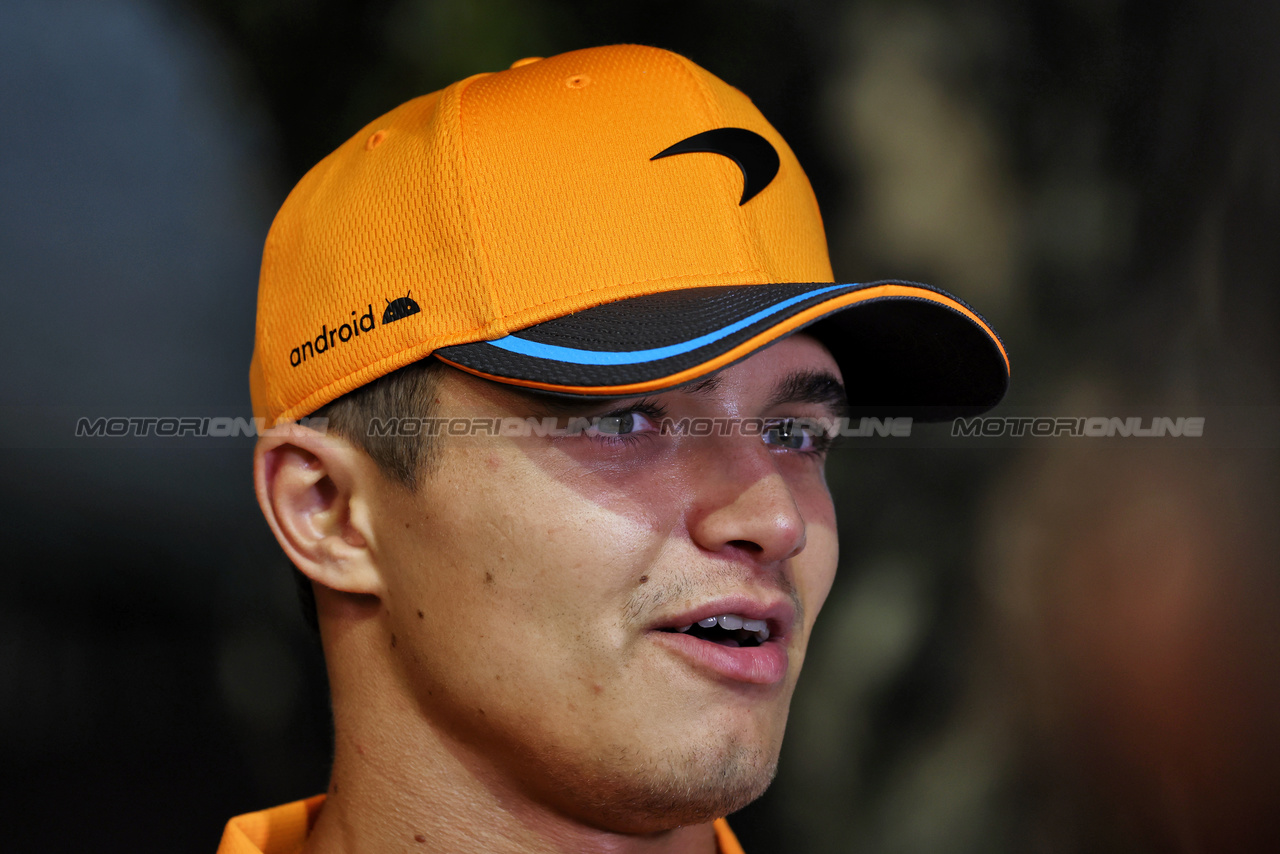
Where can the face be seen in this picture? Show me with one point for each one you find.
(548, 593)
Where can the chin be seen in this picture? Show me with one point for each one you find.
(696, 789)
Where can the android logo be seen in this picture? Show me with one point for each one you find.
(399, 308)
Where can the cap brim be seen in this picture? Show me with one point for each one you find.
(904, 348)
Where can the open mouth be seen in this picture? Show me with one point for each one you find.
(727, 630)
(737, 639)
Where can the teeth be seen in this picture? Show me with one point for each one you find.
(732, 623)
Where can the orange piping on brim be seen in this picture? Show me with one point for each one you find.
(764, 338)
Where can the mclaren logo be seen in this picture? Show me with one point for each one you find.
(757, 159)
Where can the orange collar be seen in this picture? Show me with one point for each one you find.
(284, 829)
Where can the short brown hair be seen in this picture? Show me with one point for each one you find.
(410, 391)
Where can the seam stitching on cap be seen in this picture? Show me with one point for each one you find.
(482, 257)
(716, 117)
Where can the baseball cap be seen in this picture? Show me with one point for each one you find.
(610, 222)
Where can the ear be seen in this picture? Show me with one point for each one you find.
(314, 490)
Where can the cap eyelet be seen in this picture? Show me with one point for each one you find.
(578, 81)
(374, 141)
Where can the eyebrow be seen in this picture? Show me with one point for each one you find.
(816, 387)
(550, 403)
(563, 404)
(706, 385)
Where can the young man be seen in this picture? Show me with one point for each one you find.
(582, 633)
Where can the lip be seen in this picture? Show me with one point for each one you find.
(765, 664)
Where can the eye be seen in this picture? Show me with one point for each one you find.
(795, 434)
(626, 424)
(623, 424)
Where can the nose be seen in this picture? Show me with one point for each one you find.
(742, 501)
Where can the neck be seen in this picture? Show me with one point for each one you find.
(403, 781)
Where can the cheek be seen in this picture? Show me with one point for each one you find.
(540, 619)
(816, 565)
(533, 575)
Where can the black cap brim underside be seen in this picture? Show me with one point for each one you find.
(908, 353)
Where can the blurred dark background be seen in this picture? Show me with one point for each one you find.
(1058, 645)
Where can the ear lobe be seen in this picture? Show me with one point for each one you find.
(309, 487)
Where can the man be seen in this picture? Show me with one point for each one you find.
(557, 615)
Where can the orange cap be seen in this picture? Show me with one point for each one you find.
(532, 201)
